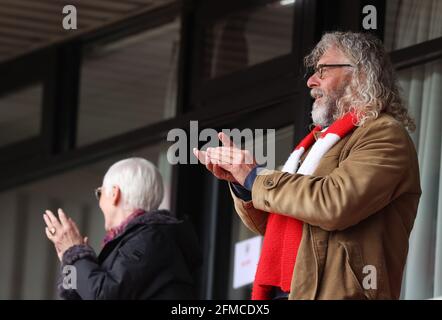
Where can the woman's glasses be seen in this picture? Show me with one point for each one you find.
(98, 193)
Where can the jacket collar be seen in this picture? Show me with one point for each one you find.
(145, 218)
(137, 218)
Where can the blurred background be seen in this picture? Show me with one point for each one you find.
(72, 102)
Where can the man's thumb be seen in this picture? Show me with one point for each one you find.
(225, 140)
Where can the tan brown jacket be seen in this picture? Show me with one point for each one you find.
(358, 210)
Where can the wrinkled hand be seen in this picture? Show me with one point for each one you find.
(63, 232)
(227, 162)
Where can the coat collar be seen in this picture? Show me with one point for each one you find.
(144, 218)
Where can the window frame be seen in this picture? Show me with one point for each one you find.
(418, 54)
(413, 56)
(278, 76)
(41, 62)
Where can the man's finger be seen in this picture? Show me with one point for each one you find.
(219, 172)
(226, 154)
(226, 141)
(206, 158)
(223, 155)
(222, 174)
(209, 166)
(201, 155)
(236, 156)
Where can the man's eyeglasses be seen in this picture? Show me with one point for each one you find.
(319, 70)
(98, 193)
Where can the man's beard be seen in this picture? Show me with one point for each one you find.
(325, 106)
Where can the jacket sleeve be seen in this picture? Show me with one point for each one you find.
(254, 219)
(134, 265)
(362, 184)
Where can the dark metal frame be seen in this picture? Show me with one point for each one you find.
(276, 77)
(417, 54)
(15, 76)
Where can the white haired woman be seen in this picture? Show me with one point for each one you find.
(147, 253)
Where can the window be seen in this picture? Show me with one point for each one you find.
(421, 85)
(128, 84)
(411, 22)
(413, 32)
(247, 38)
(20, 114)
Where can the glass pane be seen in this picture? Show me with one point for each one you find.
(128, 84)
(26, 24)
(29, 266)
(409, 22)
(283, 147)
(421, 86)
(248, 37)
(20, 114)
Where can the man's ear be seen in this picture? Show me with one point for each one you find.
(116, 195)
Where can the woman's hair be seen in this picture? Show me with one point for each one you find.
(140, 183)
(373, 88)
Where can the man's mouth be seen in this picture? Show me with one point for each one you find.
(317, 98)
(316, 95)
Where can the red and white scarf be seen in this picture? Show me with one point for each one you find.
(283, 234)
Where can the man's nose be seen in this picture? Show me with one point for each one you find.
(313, 81)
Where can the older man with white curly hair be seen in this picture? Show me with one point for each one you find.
(336, 220)
(146, 254)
